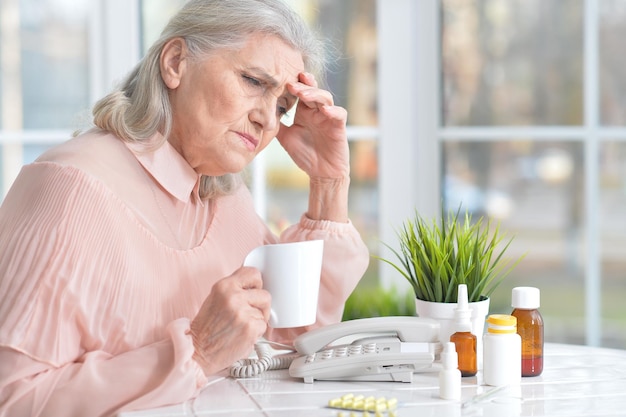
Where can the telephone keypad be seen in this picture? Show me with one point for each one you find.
(342, 351)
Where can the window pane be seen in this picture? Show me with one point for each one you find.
(612, 62)
(43, 73)
(613, 242)
(363, 199)
(535, 190)
(351, 26)
(1, 82)
(54, 62)
(288, 191)
(512, 62)
(155, 15)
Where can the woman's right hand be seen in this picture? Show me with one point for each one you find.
(231, 320)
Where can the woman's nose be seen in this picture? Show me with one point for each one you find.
(265, 114)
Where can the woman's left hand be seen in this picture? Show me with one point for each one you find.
(317, 140)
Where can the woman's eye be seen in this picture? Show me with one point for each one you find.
(252, 81)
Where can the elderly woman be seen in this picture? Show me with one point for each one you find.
(121, 250)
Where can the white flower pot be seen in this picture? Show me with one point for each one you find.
(444, 314)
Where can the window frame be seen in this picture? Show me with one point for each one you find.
(405, 116)
(410, 132)
(114, 47)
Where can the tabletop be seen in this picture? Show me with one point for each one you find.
(576, 381)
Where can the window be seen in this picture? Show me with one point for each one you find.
(513, 108)
(528, 131)
(281, 187)
(56, 58)
(43, 77)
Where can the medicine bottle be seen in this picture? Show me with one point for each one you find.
(463, 339)
(525, 302)
(449, 376)
(502, 350)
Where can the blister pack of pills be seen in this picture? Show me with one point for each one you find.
(360, 405)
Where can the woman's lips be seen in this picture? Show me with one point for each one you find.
(250, 141)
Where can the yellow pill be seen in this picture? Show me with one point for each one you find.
(335, 402)
(359, 397)
(392, 414)
(392, 402)
(366, 414)
(347, 403)
(381, 407)
(347, 396)
(379, 414)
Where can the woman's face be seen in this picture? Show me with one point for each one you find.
(227, 107)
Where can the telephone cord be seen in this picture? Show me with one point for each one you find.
(248, 368)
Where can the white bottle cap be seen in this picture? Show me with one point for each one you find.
(462, 313)
(525, 297)
(449, 357)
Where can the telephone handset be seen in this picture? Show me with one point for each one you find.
(381, 349)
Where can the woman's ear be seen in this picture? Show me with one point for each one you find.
(172, 62)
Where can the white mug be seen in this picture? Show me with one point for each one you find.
(291, 273)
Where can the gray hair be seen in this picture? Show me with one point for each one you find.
(139, 108)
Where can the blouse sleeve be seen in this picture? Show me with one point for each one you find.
(99, 384)
(52, 359)
(345, 260)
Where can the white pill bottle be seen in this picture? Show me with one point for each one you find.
(502, 351)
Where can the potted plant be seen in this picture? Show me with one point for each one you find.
(435, 257)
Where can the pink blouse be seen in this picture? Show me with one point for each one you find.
(106, 254)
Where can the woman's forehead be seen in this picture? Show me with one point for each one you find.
(272, 56)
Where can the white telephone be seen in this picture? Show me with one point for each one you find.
(390, 349)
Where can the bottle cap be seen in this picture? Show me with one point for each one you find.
(449, 357)
(525, 297)
(462, 313)
(501, 323)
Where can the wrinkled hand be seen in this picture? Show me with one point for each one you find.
(231, 320)
(317, 140)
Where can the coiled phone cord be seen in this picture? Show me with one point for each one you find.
(248, 368)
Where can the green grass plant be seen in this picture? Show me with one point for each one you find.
(435, 257)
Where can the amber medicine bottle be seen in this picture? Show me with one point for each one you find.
(463, 338)
(502, 350)
(525, 302)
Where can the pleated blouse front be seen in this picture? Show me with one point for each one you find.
(108, 248)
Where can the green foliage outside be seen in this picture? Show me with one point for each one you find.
(369, 301)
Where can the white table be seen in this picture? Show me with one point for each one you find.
(576, 381)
